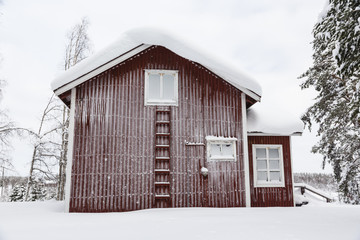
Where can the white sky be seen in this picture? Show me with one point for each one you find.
(268, 39)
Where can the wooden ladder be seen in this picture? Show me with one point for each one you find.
(162, 157)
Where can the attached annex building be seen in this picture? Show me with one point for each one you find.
(156, 124)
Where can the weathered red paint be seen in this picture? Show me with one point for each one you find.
(272, 196)
(114, 141)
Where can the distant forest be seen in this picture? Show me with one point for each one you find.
(12, 188)
(8, 184)
(325, 182)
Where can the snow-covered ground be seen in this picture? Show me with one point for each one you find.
(46, 220)
(312, 198)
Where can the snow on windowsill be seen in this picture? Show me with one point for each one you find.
(220, 138)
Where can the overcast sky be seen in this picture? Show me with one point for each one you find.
(268, 39)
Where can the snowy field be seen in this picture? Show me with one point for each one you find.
(46, 220)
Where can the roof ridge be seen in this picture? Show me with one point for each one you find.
(134, 41)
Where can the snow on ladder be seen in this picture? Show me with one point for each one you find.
(162, 157)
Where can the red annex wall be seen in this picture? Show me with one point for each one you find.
(114, 140)
(272, 196)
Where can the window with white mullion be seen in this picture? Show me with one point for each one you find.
(262, 175)
(161, 87)
(268, 165)
(221, 149)
(154, 86)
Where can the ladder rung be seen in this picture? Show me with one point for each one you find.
(162, 146)
(162, 183)
(162, 122)
(162, 196)
(162, 171)
(162, 110)
(162, 158)
(162, 134)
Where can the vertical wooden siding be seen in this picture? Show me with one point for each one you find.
(113, 165)
(272, 196)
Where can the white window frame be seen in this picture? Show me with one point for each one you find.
(164, 102)
(258, 183)
(220, 140)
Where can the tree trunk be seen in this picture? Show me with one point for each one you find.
(31, 177)
(63, 158)
(77, 49)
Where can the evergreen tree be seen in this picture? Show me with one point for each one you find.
(38, 192)
(335, 76)
(17, 194)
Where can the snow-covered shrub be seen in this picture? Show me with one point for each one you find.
(17, 194)
(38, 192)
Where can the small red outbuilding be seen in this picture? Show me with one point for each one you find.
(156, 124)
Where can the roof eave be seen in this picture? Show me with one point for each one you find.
(258, 133)
(75, 82)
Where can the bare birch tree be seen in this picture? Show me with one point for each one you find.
(7, 130)
(76, 49)
(78, 45)
(46, 153)
(51, 139)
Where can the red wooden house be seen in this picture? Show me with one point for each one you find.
(156, 124)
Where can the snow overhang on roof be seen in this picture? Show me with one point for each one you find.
(135, 41)
(272, 121)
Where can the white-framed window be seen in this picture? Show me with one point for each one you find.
(220, 148)
(268, 166)
(161, 87)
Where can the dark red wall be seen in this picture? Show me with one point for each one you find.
(272, 196)
(113, 160)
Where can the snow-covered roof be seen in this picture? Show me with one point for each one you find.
(134, 41)
(263, 119)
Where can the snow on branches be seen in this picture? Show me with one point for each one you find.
(335, 76)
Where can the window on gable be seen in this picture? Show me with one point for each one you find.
(161, 87)
(221, 149)
(268, 166)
